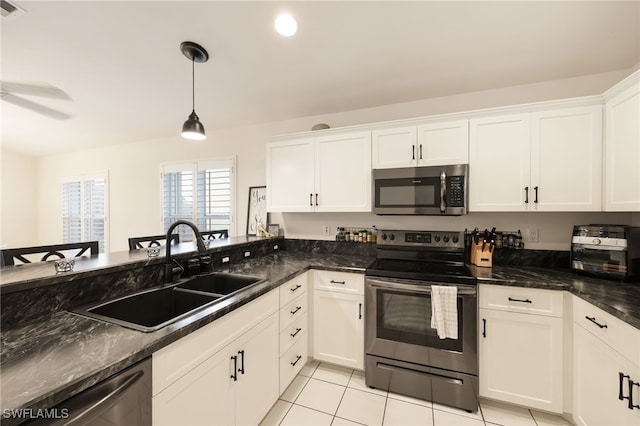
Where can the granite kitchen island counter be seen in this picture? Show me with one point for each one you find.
(44, 362)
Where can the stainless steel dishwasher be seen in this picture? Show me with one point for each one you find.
(122, 399)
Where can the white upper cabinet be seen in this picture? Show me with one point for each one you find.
(429, 144)
(330, 173)
(290, 177)
(443, 143)
(541, 161)
(499, 163)
(566, 159)
(622, 146)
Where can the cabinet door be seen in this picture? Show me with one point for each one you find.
(499, 163)
(396, 147)
(205, 395)
(566, 159)
(338, 328)
(521, 359)
(596, 384)
(257, 386)
(443, 143)
(290, 176)
(343, 173)
(622, 151)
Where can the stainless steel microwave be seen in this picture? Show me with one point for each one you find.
(431, 190)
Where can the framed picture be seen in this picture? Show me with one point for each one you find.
(257, 209)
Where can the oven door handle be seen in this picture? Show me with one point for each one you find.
(423, 287)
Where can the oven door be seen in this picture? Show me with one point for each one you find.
(398, 325)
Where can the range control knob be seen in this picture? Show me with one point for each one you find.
(454, 238)
(436, 238)
(445, 238)
(384, 236)
(392, 237)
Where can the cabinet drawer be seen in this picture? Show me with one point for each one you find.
(343, 282)
(292, 362)
(291, 334)
(519, 299)
(622, 337)
(293, 288)
(293, 310)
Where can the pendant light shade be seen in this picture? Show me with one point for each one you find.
(193, 128)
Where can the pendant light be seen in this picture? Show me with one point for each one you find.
(193, 128)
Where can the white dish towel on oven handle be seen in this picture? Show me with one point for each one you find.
(444, 311)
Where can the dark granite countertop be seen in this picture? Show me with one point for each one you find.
(45, 362)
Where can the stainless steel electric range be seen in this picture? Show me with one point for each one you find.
(403, 353)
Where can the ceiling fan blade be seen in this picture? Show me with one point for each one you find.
(34, 89)
(41, 109)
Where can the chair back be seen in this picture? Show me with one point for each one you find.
(10, 256)
(136, 243)
(220, 234)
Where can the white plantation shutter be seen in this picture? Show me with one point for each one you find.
(201, 192)
(84, 210)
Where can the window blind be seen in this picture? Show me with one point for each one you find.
(84, 210)
(201, 192)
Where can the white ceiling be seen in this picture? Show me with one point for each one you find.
(120, 61)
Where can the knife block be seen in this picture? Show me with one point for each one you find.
(479, 257)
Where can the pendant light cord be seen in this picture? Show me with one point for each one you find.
(193, 83)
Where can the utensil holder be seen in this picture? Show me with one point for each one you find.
(479, 257)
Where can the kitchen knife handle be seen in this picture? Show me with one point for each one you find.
(526, 195)
(535, 188)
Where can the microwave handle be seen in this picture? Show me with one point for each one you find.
(443, 191)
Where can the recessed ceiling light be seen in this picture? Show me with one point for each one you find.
(286, 25)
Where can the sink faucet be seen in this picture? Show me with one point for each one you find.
(168, 267)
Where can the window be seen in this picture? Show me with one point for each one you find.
(84, 209)
(200, 192)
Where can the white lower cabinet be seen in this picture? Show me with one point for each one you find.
(237, 383)
(521, 352)
(338, 318)
(606, 369)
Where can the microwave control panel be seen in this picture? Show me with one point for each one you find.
(455, 193)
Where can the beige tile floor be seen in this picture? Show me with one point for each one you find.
(324, 394)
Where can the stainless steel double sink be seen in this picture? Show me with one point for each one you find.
(152, 309)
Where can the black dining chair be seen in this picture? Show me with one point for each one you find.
(9, 256)
(136, 243)
(219, 234)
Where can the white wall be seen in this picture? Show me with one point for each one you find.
(134, 168)
(18, 200)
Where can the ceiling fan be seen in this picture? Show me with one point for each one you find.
(8, 91)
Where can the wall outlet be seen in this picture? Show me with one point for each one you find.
(326, 230)
(532, 235)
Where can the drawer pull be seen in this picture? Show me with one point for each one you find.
(337, 282)
(484, 327)
(593, 320)
(298, 358)
(296, 310)
(295, 288)
(631, 385)
(621, 377)
(298, 330)
(520, 300)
